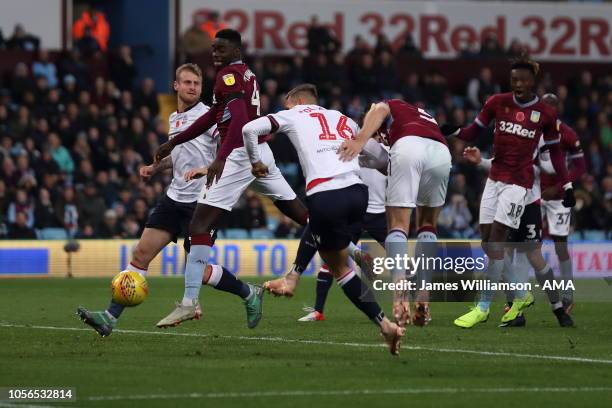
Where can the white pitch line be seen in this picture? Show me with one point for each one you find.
(327, 343)
(312, 393)
(21, 405)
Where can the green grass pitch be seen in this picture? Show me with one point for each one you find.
(218, 362)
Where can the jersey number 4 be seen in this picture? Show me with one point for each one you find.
(343, 129)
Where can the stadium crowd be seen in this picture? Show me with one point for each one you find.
(72, 140)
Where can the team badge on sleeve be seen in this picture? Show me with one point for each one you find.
(535, 116)
(229, 79)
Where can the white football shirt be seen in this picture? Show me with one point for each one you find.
(377, 185)
(316, 134)
(199, 152)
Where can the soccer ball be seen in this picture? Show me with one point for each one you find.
(129, 288)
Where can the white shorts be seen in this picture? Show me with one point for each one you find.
(418, 173)
(557, 216)
(237, 177)
(503, 203)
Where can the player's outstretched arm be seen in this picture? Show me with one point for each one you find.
(250, 135)
(201, 125)
(557, 158)
(371, 123)
(468, 133)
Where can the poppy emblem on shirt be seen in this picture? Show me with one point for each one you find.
(520, 116)
(535, 116)
(178, 123)
(229, 79)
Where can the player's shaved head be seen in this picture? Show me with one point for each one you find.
(551, 99)
(304, 94)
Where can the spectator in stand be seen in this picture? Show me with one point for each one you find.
(470, 50)
(20, 229)
(286, 228)
(43, 67)
(256, 214)
(456, 219)
(363, 79)
(409, 48)
(479, 89)
(516, 49)
(21, 40)
(45, 215)
(21, 204)
(110, 228)
(87, 45)
(360, 48)
(90, 206)
(386, 75)
(60, 154)
(320, 39)
(212, 24)
(96, 22)
(147, 96)
(20, 83)
(382, 45)
(72, 65)
(195, 41)
(122, 69)
(141, 214)
(491, 48)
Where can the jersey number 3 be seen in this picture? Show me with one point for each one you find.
(343, 129)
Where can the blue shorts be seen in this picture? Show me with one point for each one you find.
(336, 215)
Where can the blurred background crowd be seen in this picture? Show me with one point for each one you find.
(75, 126)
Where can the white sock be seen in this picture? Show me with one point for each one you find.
(132, 267)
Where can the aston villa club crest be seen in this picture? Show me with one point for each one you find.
(520, 116)
(535, 116)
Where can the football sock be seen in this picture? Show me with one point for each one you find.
(514, 273)
(197, 259)
(507, 276)
(361, 296)
(115, 309)
(396, 245)
(324, 283)
(546, 275)
(494, 272)
(132, 267)
(224, 280)
(567, 274)
(427, 248)
(306, 251)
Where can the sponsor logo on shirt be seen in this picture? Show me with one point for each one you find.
(516, 129)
